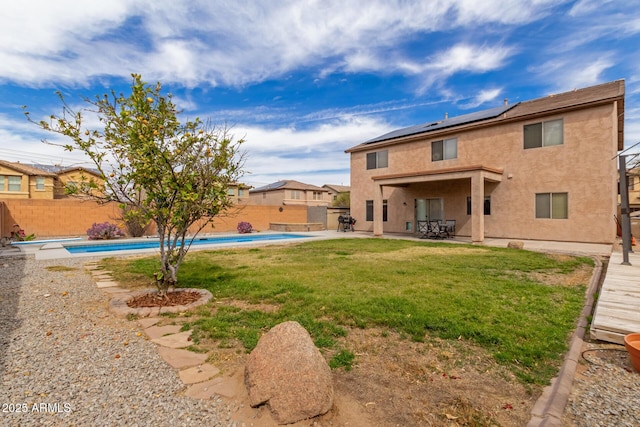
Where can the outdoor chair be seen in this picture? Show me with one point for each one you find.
(423, 229)
(450, 227)
(435, 230)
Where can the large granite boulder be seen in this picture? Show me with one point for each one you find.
(287, 372)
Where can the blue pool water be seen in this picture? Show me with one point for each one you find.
(154, 244)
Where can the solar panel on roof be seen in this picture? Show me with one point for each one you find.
(443, 124)
(272, 186)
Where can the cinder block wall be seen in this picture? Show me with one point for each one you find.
(59, 218)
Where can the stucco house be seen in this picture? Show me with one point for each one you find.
(25, 181)
(335, 191)
(20, 181)
(289, 192)
(543, 169)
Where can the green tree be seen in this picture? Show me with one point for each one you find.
(174, 174)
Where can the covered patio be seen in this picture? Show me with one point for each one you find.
(477, 175)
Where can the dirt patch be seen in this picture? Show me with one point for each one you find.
(171, 299)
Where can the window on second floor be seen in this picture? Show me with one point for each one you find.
(1, 182)
(378, 159)
(15, 183)
(317, 195)
(240, 192)
(295, 194)
(39, 183)
(544, 134)
(230, 192)
(444, 150)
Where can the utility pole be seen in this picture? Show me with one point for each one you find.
(624, 211)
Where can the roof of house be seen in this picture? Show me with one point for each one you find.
(287, 184)
(337, 188)
(26, 169)
(81, 169)
(567, 101)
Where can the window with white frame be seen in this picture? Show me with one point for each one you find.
(40, 183)
(445, 149)
(230, 192)
(544, 134)
(15, 183)
(552, 205)
(240, 192)
(295, 194)
(378, 159)
(1, 182)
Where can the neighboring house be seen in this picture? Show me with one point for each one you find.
(239, 193)
(19, 181)
(633, 184)
(78, 177)
(289, 192)
(335, 191)
(544, 169)
(25, 181)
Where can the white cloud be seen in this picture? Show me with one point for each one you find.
(573, 72)
(226, 42)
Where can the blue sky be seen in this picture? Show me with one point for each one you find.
(304, 80)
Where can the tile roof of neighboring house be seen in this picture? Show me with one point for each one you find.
(576, 99)
(337, 188)
(287, 184)
(81, 169)
(26, 169)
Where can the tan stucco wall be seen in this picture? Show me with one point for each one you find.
(24, 184)
(72, 217)
(584, 167)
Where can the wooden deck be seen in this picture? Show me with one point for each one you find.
(617, 310)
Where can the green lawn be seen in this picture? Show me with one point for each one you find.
(497, 298)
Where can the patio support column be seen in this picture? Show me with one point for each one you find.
(377, 211)
(477, 207)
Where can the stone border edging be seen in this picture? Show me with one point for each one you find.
(118, 304)
(550, 406)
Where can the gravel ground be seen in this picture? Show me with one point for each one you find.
(64, 360)
(606, 389)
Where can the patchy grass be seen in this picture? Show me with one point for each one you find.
(501, 299)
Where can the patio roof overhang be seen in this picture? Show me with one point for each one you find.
(467, 172)
(477, 175)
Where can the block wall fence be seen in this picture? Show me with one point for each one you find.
(72, 218)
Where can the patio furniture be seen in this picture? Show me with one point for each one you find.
(436, 229)
(423, 229)
(450, 227)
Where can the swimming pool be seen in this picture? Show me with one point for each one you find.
(112, 246)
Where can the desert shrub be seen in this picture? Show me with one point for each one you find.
(244, 227)
(104, 231)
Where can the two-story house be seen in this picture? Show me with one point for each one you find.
(289, 192)
(543, 169)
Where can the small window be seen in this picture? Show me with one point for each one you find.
(317, 195)
(378, 159)
(230, 192)
(240, 192)
(295, 194)
(552, 205)
(39, 183)
(544, 134)
(369, 210)
(444, 150)
(487, 205)
(1, 182)
(15, 183)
